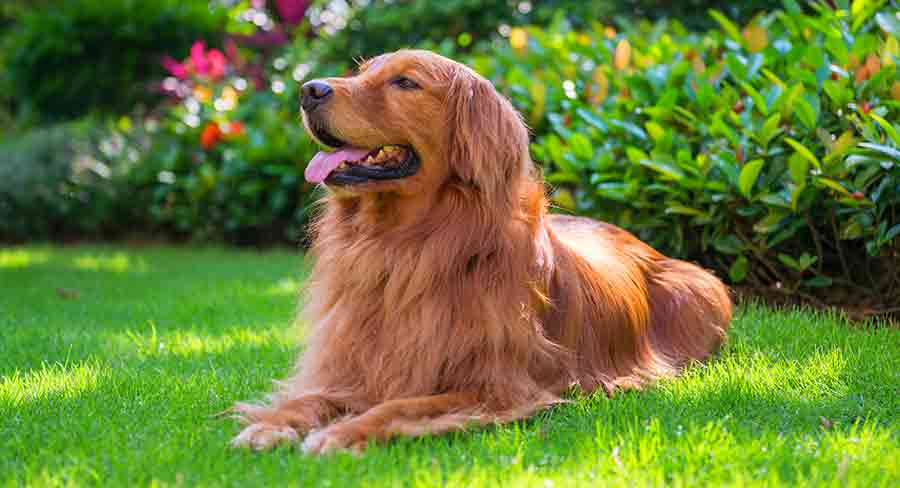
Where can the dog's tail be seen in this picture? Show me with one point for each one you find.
(690, 310)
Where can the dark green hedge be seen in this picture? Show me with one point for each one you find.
(62, 60)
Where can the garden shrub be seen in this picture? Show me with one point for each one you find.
(386, 25)
(768, 151)
(223, 158)
(69, 57)
(53, 186)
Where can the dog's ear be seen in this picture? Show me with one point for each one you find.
(488, 142)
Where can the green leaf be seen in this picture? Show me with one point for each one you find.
(770, 129)
(729, 244)
(557, 154)
(840, 146)
(655, 130)
(564, 199)
(795, 197)
(886, 150)
(730, 29)
(592, 119)
(665, 169)
(774, 78)
(613, 191)
(758, 101)
(799, 168)
(738, 270)
(888, 128)
(749, 174)
(769, 223)
(684, 210)
(737, 69)
(581, 146)
(779, 199)
(888, 23)
(818, 282)
(805, 113)
(629, 128)
(851, 230)
(789, 262)
(803, 151)
(792, 7)
(839, 94)
(789, 98)
(719, 127)
(635, 155)
(834, 185)
(891, 234)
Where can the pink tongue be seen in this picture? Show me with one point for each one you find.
(323, 163)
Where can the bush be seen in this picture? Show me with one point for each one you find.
(63, 60)
(768, 152)
(386, 25)
(52, 186)
(223, 158)
(231, 175)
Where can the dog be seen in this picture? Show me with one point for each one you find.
(444, 295)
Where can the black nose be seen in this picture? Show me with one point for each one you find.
(314, 93)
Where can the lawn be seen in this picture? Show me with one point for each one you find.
(114, 360)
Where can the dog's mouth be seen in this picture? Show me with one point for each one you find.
(349, 165)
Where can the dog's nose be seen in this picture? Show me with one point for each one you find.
(314, 93)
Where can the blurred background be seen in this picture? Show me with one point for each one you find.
(758, 138)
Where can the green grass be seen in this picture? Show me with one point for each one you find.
(114, 360)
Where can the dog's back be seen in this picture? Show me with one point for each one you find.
(629, 313)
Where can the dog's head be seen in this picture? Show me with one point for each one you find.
(409, 122)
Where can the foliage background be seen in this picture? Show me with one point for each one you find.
(758, 138)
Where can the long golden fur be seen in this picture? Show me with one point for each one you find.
(451, 297)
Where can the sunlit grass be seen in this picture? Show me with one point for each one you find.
(50, 381)
(149, 343)
(118, 262)
(285, 286)
(115, 383)
(21, 258)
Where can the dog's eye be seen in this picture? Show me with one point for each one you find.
(405, 83)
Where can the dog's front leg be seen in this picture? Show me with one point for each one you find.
(418, 416)
(286, 420)
(410, 417)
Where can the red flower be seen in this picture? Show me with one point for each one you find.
(236, 128)
(210, 136)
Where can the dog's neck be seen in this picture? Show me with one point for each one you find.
(388, 214)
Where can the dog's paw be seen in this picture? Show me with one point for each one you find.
(335, 438)
(262, 436)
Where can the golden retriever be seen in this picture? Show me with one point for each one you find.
(443, 293)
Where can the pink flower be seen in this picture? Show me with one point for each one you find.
(291, 11)
(217, 63)
(178, 70)
(198, 58)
